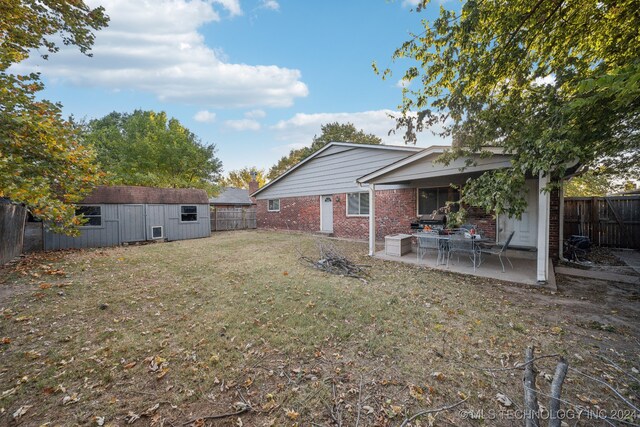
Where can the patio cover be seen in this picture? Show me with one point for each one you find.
(423, 169)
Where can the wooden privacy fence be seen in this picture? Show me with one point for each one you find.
(607, 221)
(12, 218)
(232, 218)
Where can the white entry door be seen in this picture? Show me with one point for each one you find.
(526, 227)
(326, 213)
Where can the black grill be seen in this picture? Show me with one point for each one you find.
(436, 222)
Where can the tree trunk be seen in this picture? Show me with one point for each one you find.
(531, 409)
(556, 391)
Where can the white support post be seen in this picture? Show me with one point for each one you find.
(372, 219)
(544, 203)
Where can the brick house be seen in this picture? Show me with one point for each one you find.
(370, 191)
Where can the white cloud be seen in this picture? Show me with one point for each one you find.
(155, 47)
(301, 128)
(411, 3)
(205, 116)
(255, 114)
(270, 4)
(243, 124)
(233, 6)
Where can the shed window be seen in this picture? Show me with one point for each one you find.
(188, 213)
(358, 204)
(93, 215)
(433, 199)
(274, 205)
(156, 232)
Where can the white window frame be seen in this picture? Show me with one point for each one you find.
(91, 216)
(359, 193)
(269, 205)
(182, 213)
(161, 232)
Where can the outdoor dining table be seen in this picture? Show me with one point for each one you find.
(443, 245)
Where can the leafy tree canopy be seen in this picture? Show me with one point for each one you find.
(597, 182)
(331, 132)
(551, 81)
(42, 164)
(242, 177)
(148, 148)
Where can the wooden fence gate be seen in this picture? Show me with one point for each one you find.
(232, 218)
(607, 221)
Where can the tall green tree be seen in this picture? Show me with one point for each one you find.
(42, 162)
(148, 148)
(331, 132)
(550, 81)
(241, 178)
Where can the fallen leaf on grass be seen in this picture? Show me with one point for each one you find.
(416, 392)
(504, 400)
(21, 411)
(586, 399)
(438, 376)
(69, 399)
(151, 410)
(292, 415)
(131, 417)
(6, 340)
(162, 373)
(129, 365)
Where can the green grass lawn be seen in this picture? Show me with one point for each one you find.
(178, 331)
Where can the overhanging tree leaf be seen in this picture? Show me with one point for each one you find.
(550, 81)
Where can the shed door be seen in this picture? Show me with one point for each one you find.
(326, 213)
(132, 223)
(155, 222)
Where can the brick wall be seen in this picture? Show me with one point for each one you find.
(395, 210)
(485, 222)
(296, 213)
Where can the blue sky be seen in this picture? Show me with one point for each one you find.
(254, 77)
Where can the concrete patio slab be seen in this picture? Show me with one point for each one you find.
(629, 257)
(601, 275)
(523, 271)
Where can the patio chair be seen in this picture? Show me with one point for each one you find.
(428, 241)
(458, 244)
(499, 249)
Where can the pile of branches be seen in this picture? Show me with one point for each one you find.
(333, 261)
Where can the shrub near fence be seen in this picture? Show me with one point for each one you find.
(232, 218)
(12, 219)
(607, 221)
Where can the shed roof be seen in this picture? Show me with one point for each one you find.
(122, 194)
(232, 196)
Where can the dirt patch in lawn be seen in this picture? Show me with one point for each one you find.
(183, 332)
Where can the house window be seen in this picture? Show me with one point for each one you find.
(358, 204)
(188, 213)
(274, 205)
(433, 199)
(93, 215)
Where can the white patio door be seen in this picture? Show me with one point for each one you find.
(326, 213)
(526, 227)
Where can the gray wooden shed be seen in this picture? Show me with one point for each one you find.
(128, 214)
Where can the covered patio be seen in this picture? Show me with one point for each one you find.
(523, 271)
(531, 263)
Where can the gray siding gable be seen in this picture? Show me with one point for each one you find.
(334, 170)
